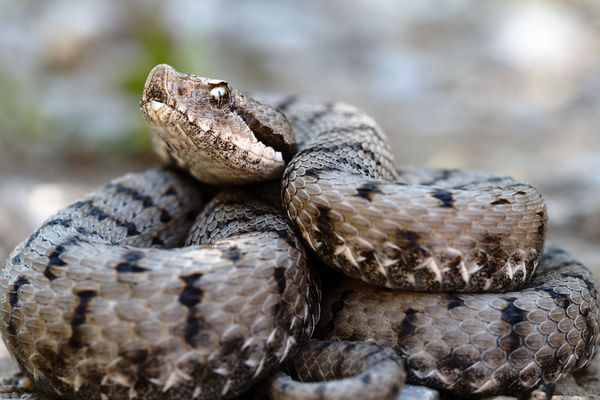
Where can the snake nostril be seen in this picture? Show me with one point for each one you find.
(154, 91)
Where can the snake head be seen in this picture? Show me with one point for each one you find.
(214, 131)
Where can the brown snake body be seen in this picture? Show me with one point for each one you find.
(102, 302)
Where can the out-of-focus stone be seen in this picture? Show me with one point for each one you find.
(413, 392)
(584, 383)
(8, 387)
(500, 398)
(568, 388)
(25, 203)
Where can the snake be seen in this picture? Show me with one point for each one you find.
(281, 245)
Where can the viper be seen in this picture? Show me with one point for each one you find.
(159, 286)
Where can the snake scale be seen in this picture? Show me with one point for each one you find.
(156, 286)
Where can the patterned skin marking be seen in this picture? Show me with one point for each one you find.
(102, 215)
(500, 202)
(165, 217)
(233, 253)
(157, 242)
(190, 297)
(13, 293)
(441, 176)
(326, 228)
(49, 274)
(63, 222)
(541, 227)
(54, 259)
(367, 190)
(408, 241)
(444, 196)
(337, 306)
(406, 328)
(512, 315)
(327, 107)
(129, 262)
(454, 301)
(79, 317)
(146, 201)
(279, 275)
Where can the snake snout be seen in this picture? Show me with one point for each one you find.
(155, 86)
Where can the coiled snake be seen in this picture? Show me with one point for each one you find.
(103, 302)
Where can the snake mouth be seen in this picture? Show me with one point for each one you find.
(158, 114)
(197, 126)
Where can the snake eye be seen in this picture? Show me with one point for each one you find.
(219, 95)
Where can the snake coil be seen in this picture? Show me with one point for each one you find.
(155, 287)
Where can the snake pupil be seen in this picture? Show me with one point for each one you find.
(219, 94)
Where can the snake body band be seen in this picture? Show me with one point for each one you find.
(158, 286)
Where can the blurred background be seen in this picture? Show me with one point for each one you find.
(507, 86)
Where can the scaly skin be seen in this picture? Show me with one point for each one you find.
(98, 303)
(102, 302)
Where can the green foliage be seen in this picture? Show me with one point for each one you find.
(19, 111)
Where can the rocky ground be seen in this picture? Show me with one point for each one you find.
(510, 87)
